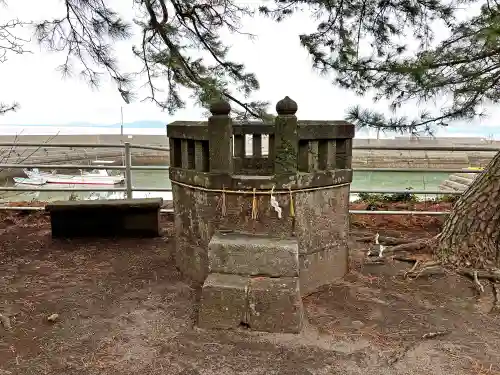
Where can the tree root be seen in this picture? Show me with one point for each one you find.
(431, 269)
(410, 247)
(404, 258)
(407, 247)
(411, 270)
(428, 267)
(492, 275)
(385, 240)
(496, 295)
(477, 284)
(424, 267)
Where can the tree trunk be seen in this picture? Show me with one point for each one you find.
(471, 233)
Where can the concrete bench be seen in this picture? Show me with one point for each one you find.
(105, 218)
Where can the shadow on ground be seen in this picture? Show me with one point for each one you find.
(124, 309)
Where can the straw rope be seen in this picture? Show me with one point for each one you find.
(254, 194)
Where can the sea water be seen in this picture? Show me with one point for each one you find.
(159, 179)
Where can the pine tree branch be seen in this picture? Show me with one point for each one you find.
(4, 108)
(11, 43)
(172, 33)
(464, 66)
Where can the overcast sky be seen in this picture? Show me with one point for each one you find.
(282, 67)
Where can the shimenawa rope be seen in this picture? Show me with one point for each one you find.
(254, 193)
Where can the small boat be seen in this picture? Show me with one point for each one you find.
(101, 171)
(30, 181)
(36, 173)
(95, 172)
(85, 180)
(68, 179)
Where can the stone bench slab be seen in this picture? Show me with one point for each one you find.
(105, 204)
(105, 218)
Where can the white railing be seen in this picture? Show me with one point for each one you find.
(128, 168)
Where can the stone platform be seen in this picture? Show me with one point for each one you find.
(260, 231)
(253, 282)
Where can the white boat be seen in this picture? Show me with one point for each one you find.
(95, 173)
(102, 171)
(30, 181)
(68, 179)
(36, 173)
(84, 180)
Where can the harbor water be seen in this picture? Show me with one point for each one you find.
(159, 179)
(149, 180)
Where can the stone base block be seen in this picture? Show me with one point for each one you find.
(252, 255)
(322, 267)
(191, 259)
(223, 301)
(261, 303)
(275, 305)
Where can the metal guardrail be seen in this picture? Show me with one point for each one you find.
(128, 168)
(425, 148)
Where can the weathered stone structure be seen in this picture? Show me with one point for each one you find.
(256, 261)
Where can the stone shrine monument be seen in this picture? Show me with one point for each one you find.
(258, 230)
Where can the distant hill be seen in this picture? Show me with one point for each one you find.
(135, 124)
(455, 130)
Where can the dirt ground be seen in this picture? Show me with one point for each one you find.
(124, 309)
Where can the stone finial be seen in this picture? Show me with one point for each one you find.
(220, 107)
(286, 106)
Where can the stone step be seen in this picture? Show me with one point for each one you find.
(469, 176)
(253, 281)
(267, 304)
(253, 255)
(452, 185)
(460, 179)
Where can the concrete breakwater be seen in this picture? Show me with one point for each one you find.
(458, 182)
(17, 154)
(420, 159)
(361, 158)
(423, 159)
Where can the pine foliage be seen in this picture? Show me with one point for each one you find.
(363, 44)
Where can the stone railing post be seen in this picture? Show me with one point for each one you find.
(286, 141)
(220, 138)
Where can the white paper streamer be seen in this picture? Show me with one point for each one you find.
(276, 206)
